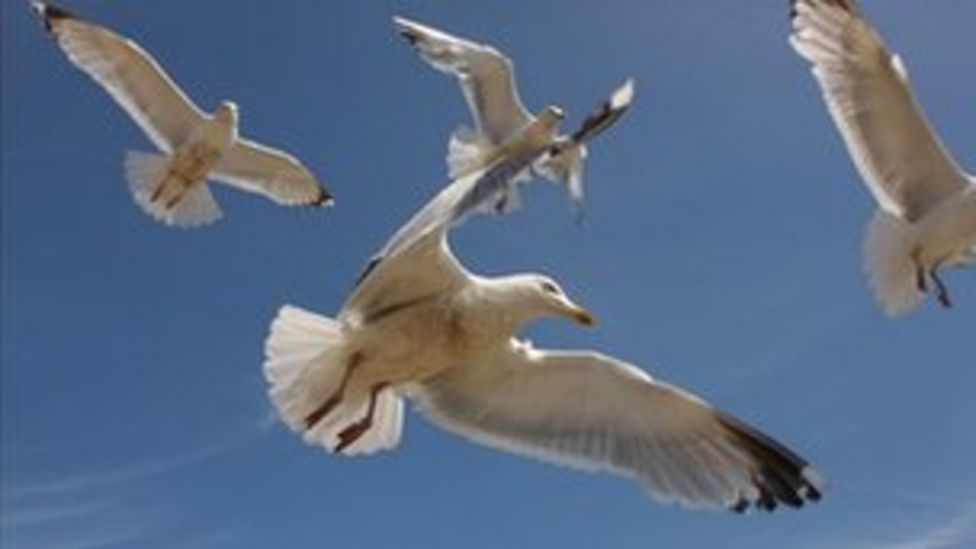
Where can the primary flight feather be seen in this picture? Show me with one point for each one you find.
(171, 187)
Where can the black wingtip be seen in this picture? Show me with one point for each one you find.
(51, 14)
(404, 30)
(779, 475)
(370, 266)
(410, 36)
(324, 199)
(607, 113)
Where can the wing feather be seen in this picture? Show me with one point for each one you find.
(592, 411)
(870, 99)
(271, 173)
(486, 75)
(129, 74)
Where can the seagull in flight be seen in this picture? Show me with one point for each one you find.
(419, 325)
(926, 217)
(171, 187)
(487, 78)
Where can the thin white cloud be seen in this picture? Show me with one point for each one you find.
(957, 531)
(93, 509)
(41, 515)
(148, 468)
(73, 526)
(952, 527)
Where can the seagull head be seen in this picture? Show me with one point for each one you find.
(553, 113)
(227, 110)
(535, 295)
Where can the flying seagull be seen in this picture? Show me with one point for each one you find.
(927, 204)
(171, 187)
(419, 325)
(487, 79)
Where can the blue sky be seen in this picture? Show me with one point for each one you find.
(721, 252)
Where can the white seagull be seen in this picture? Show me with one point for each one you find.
(171, 187)
(419, 325)
(487, 79)
(927, 214)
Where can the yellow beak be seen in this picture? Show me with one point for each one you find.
(582, 316)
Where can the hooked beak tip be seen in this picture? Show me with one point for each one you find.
(583, 317)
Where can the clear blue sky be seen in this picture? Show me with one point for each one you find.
(721, 252)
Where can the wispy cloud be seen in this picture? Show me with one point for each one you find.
(147, 468)
(952, 526)
(957, 531)
(101, 508)
(27, 516)
(72, 525)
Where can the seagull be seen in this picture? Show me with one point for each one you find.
(487, 80)
(926, 218)
(418, 325)
(171, 187)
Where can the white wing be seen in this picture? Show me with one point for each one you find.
(129, 75)
(270, 172)
(487, 78)
(591, 411)
(868, 94)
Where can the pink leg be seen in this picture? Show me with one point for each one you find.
(158, 192)
(941, 292)
(353, 432)
(336, 397)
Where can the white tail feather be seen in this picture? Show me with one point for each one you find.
(305, 361)
(889, 264)
(147, 174)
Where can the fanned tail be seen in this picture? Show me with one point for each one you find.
(306, 361)
(889, 264)
(164, 197)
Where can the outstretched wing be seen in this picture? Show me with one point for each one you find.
(594, 412)
(129, 74)
(869, 97)
(486, 75)
(272, 173)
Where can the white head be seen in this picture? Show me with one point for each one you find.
(548, 121)
(552, 114)
(531, 296)
(227, 112)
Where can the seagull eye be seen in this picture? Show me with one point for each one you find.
(550, 288)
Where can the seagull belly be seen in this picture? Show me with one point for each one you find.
(193, 163)
(412, 344)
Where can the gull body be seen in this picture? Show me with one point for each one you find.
(926, 217)
(194, 146)
(420, 326)
(189, 166)
(487, 78)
